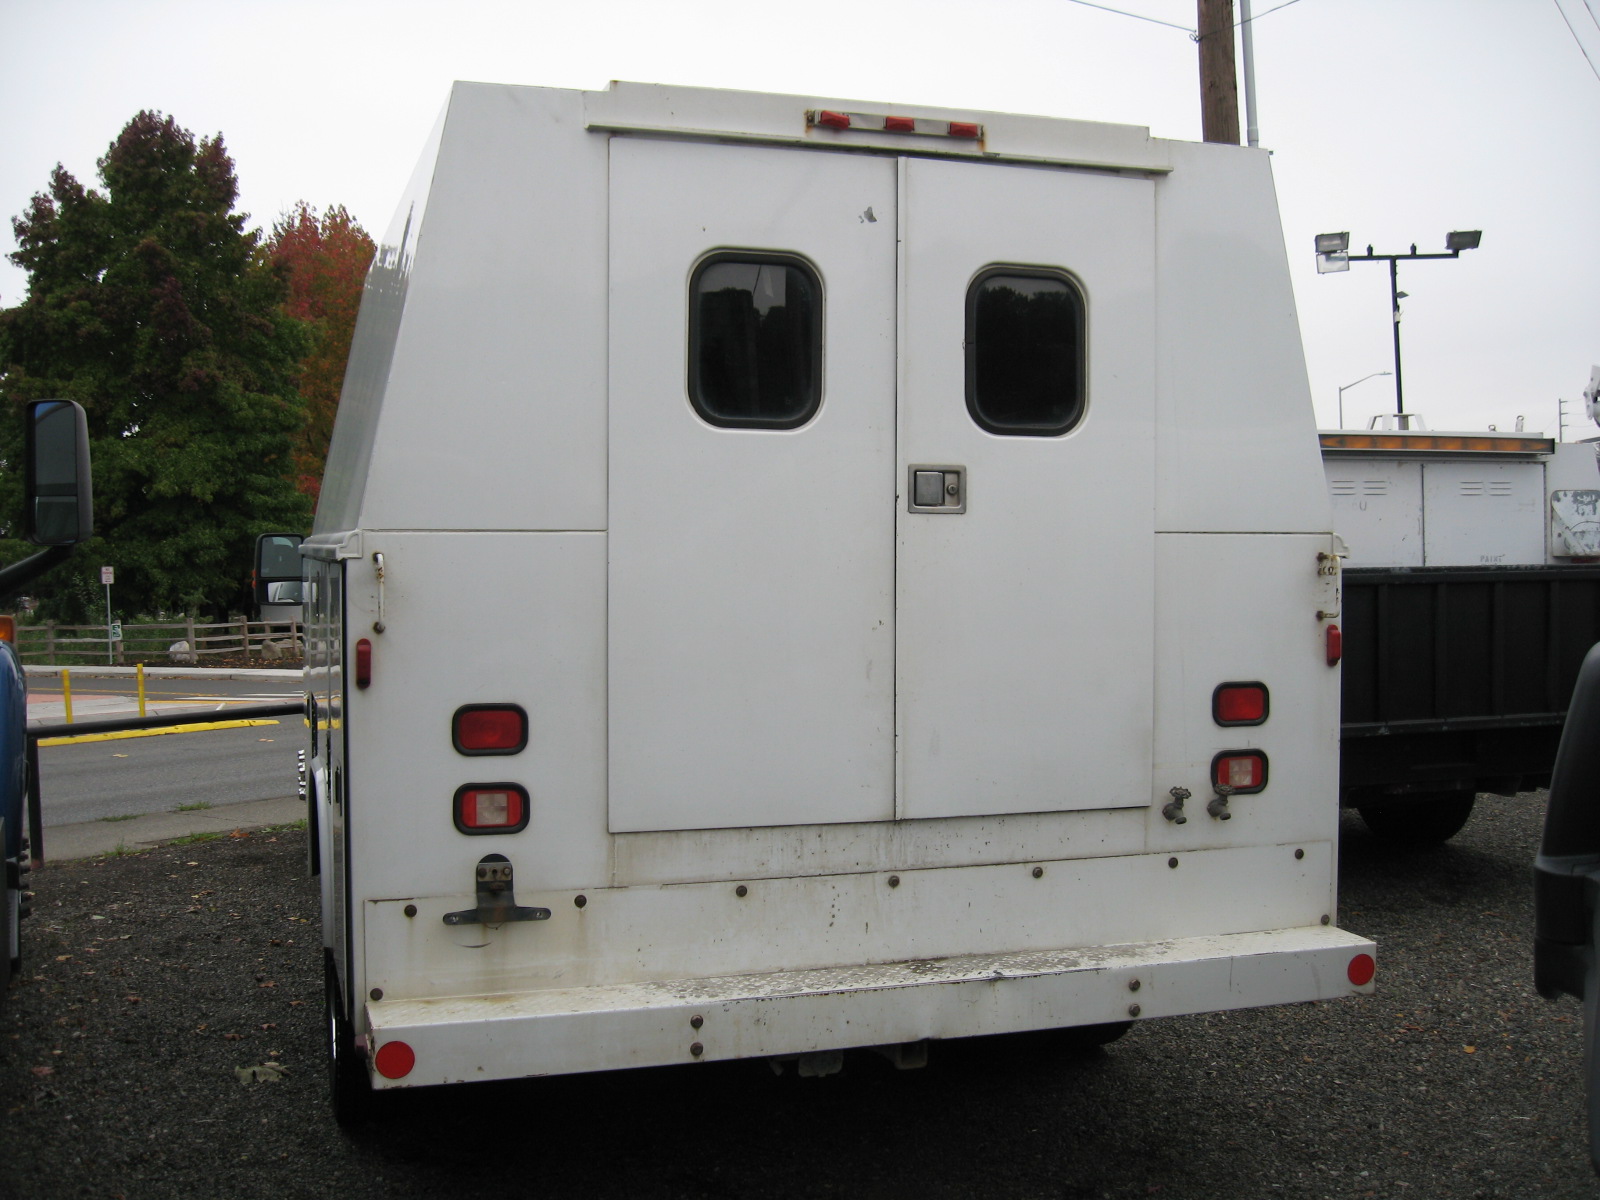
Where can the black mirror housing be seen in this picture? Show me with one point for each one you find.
(59, 488)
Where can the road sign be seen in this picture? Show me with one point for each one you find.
(116, 631)
(108, 575)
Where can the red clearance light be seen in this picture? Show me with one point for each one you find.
(1335, 645)
(1245, 771)
(834, 120)
(965, 129)
(364, 663)
(489, 729)
(1361, 970)
(394, 1060)
(1239, 704)
(900, 124)
(491, 808)
(8, 630)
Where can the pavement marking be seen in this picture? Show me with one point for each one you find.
(134, 733)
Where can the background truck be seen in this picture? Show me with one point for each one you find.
(785, 581)
(1471, 595)
(58, 513)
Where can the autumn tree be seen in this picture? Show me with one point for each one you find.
(148, 304)
(324, 260)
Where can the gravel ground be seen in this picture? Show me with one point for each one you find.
(154, 979)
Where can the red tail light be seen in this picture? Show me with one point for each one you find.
(489, 729)
(1239, 704)
(491, 808)
(364, 663)
(1335, 645)
(1245, 771)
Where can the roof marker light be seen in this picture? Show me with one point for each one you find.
(882, 123)
(900, 124)
(966, 129)
(834, 120)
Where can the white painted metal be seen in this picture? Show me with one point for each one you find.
(1482, 512)
(707, 627)
(1025, 661)
(1377, 509)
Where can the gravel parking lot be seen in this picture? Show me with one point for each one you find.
(166, 1041)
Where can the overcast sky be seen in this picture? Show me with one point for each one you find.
(1397, 120)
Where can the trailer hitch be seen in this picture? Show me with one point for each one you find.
(497, 904)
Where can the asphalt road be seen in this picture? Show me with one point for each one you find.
(153, 979)
(114, 777)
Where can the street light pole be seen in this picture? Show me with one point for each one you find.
(1348, 386)
(1332, 256)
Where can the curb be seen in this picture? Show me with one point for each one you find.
(89, 839)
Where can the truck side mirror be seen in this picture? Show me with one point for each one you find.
(278, 565)
(60, 504)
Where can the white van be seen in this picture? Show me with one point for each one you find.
(798, 574)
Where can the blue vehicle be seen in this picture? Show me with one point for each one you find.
(59, 513)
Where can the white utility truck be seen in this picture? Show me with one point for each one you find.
(798, 574)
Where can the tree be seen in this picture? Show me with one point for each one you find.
(325, 262)
(148, 303)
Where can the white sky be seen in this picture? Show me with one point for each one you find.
(1397, 120)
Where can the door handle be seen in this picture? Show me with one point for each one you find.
(934, 488)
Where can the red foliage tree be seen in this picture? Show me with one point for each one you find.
(324, 260)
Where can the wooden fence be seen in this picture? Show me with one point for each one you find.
(171, 642)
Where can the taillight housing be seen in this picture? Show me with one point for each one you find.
(1245, 771)
(1240, 704)
(491, 808)
(478, 729)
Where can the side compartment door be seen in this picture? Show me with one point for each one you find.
(751, 495)
(1026, 609)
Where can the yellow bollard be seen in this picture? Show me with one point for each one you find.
(66, 692)
(139, 670)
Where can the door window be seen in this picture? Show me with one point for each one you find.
(755, 341)
(1024, 352)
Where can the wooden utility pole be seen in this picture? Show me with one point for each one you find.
(1219, 92)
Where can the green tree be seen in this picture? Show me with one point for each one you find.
(325, 260)
(148, 303)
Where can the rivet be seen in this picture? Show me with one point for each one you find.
(376, 993)
(1134, 1010)
(696, 1021)
(1133, 985)
(741, 891)
(697, 1049)
(580, 901)
(1038, 872)
(1326, 919)
(1299, 854)
(1173, 863)
(411, 910)
(894, 881)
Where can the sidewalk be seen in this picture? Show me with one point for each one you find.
(89, 838)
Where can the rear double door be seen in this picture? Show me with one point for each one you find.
(802, 628)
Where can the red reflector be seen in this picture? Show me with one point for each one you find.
(394, 1060)
(1245, 771)
(1361, 970)
(900, 124)
(1239, 704)
(1335, 645)
(363, 662)
(489, 729)
(491, 808)
(963, 129)
(837, 120)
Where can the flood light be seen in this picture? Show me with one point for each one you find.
(1462, 239)
(1336, 243)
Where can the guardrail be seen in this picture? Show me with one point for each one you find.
(166, 641)
(36, 733)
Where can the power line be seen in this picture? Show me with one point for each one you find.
(1140, 16)
(1575, 36)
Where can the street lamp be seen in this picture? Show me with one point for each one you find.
(1348, 386)
(1333, 255)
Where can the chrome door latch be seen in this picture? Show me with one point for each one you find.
(936, 489)
(497, 903)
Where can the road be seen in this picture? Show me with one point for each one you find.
(108, 778)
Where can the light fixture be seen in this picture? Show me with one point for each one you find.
(1337, 243)
(1462, 239)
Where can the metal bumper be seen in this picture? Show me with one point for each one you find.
(560, 1031)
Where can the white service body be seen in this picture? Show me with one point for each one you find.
(809, 770)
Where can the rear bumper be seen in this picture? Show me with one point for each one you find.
(560, 1031)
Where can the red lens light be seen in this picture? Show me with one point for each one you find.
(836, 120)
(900, 124)
(963, 129)
(394, 1060)
(489, 729)
(1244, 771)
(1239, 704)
(1361, 970)
(1335, 645)
(491, 808)
(364, 663)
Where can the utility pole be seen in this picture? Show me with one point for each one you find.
(1219, 90)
